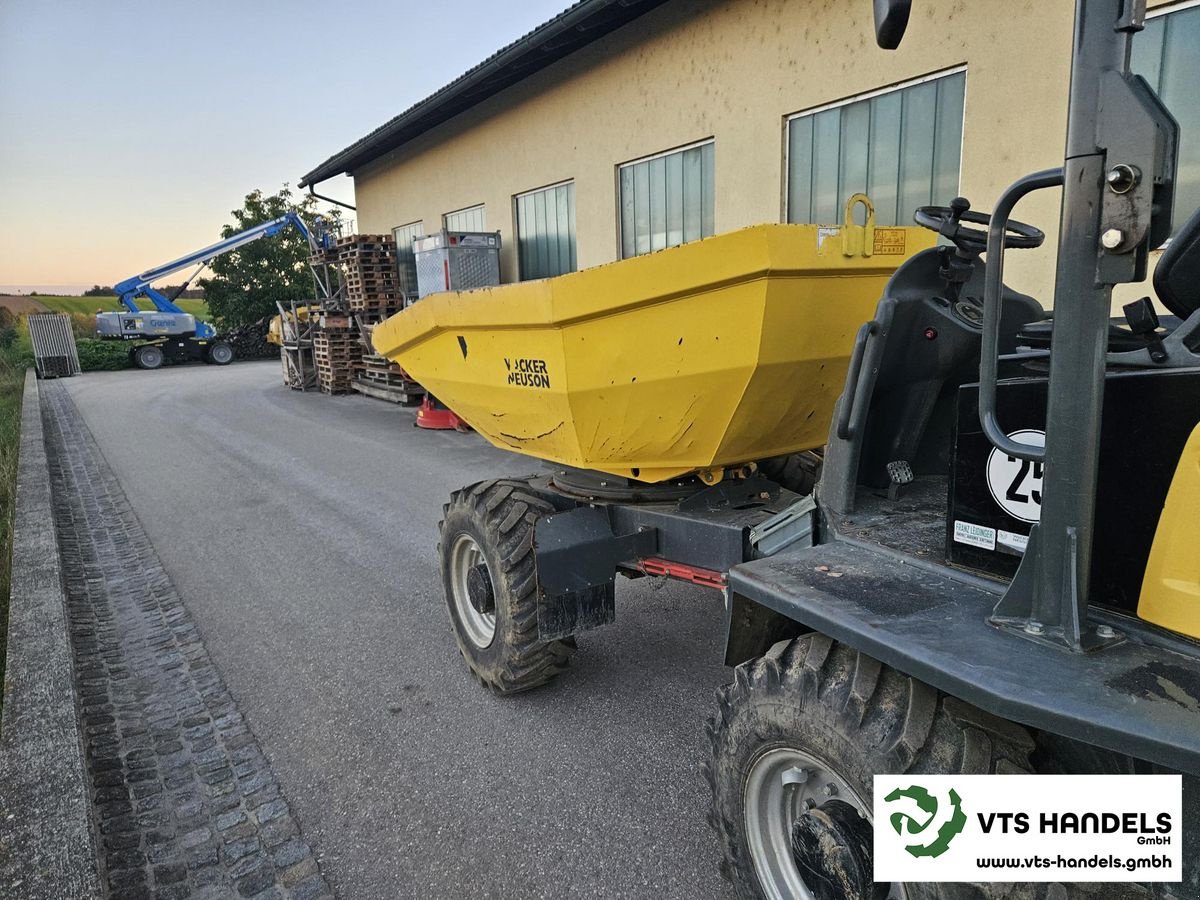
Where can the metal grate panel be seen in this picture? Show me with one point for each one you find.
(472, 267)
(53, 341)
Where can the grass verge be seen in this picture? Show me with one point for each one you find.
(13, 363)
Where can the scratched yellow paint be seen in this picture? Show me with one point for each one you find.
(718, 352)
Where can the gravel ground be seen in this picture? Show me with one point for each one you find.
(299, 531)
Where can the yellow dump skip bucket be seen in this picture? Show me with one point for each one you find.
(700, 357)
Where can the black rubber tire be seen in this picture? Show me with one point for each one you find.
(218, 357)
(797, 472)
(500, 516)
(1058, 755)
(148, 357)
(861, 716)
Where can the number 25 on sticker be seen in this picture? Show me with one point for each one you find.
(1016, 484)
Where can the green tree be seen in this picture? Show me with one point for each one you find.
(247, 282)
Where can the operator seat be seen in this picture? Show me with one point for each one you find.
(1176, 282)
(1177, 275)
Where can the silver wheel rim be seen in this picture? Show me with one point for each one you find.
(152, 358)
(479, 627)
(780, 785)
(222, 353)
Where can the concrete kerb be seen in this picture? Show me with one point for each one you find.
(46, 842)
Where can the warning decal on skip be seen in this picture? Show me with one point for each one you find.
(889, 242)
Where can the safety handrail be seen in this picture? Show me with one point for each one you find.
(993, 292)
(844, 429)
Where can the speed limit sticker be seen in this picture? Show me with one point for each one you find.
(1016, 484)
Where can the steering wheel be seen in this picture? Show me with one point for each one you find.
(948, 222)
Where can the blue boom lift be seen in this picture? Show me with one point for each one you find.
(169, 333)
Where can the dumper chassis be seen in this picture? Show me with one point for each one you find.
(862, 640)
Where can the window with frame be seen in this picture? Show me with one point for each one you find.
(546, 231)
(901, 147)
(1167, 55)
(667, 200)
(406, 260)
(470, 219)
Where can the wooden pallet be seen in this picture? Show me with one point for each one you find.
(331, 323)
(358, 249)
(352, 240)
(337, 353)
(373, 296)
(389, 379)
(406, 396)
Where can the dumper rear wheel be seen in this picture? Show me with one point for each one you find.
(486, 551)
(795, 742)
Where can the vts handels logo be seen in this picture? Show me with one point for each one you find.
(920, 814)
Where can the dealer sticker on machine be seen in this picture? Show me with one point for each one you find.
(1012, 828)
(975, 535)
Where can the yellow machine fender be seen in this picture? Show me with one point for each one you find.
(1170, 594)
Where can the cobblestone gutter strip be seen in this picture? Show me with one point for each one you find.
(46, 848)
(185, 803)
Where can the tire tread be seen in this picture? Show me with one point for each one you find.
(505, 511)
(903, 724)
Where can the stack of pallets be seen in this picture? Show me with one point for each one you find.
(379, 377)
(337, 354)
(367, 264)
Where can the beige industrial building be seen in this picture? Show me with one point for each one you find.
(619, 128)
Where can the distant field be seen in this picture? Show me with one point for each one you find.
(18, 306)
(89, 305)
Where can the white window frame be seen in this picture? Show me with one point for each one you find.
(703, 142)
(482, 207)
(1157, 13)
(869, 95)
(1169, 8)
(418, 223)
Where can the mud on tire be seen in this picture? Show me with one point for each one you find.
(862, 718)
(499, 516)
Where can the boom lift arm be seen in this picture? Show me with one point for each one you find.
(139, 285)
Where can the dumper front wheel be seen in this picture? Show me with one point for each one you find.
(486, 550)
(795, 742)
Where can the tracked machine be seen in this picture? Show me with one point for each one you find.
(995, 570)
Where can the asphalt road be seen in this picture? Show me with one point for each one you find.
(300, 531)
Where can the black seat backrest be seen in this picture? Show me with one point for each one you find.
(1177, 275)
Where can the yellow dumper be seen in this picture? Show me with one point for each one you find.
(692, 359)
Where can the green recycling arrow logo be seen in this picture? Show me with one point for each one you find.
(919, 813)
